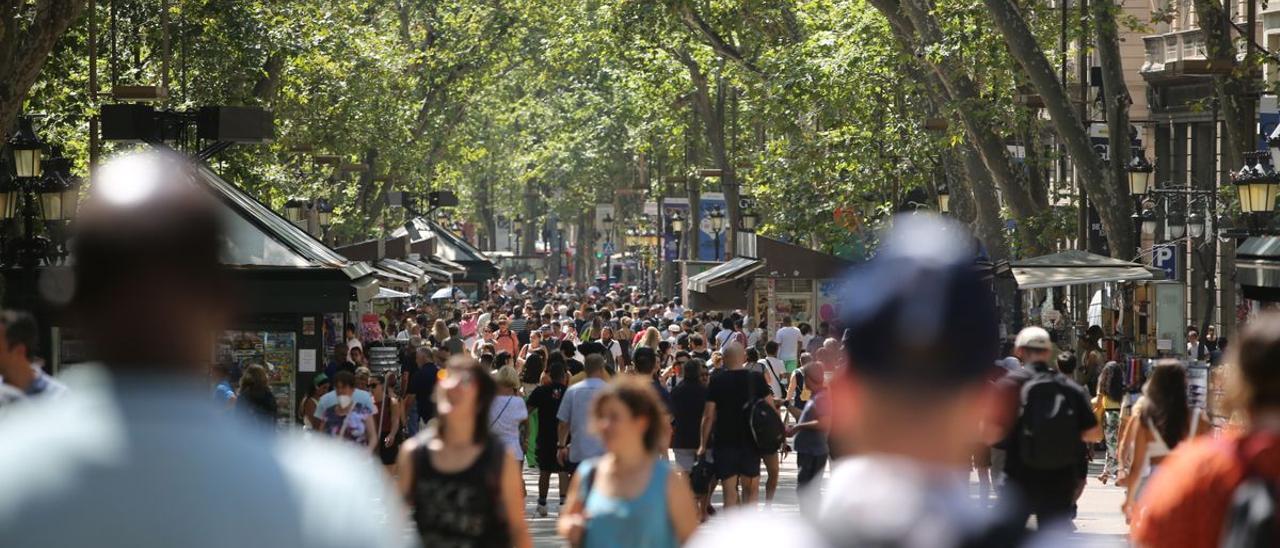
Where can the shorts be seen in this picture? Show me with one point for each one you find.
(386, 454)
(791, 365)
(547, 461)
(685, 458)
(737, 461)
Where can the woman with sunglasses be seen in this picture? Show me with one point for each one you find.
(462, 487)
(387, 420)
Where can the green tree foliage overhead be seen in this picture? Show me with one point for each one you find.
(541, 109)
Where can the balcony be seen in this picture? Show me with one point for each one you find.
(1179, 54)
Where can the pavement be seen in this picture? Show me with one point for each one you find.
(1098, 522)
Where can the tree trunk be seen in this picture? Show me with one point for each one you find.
(1115, 103)
(712, 115)
(987, 226)
(921, 23)
(1103, 187)
(24, 48)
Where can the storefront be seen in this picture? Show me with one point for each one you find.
(770, 279)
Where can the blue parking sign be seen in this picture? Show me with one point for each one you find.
(1165, 257)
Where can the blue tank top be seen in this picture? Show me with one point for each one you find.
(642, 522)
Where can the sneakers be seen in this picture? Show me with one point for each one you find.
(541, 511)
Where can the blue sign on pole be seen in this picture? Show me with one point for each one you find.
(1165, 257)
(608, 248)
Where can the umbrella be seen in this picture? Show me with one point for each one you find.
(447, 293)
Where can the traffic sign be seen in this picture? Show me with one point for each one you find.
(1165, 257)
(608, 248)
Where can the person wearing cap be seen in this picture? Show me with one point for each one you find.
(920, 340)
(307, 410)
(1045, 484)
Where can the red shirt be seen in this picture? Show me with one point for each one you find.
(1185, 503)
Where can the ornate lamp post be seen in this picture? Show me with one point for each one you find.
(717, 227)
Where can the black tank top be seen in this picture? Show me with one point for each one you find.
(464, 508)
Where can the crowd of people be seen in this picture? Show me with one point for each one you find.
(641, 409)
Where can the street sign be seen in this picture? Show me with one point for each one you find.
(1165, 257)
(608, 248)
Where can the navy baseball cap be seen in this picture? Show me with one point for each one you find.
(919, 314)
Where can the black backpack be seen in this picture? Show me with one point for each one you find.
(1113, 388)
(763, 420)
(1048, 428)
(1251, 518)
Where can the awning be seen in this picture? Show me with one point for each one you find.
(1074, 268)
(448, 293)
(726, 272)
(386, 293)
(365, 288)
(1258, 268)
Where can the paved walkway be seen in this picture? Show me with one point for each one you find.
(1098, 523)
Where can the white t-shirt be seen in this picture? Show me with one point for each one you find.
(505, 415)
(774, 377)
(788, 338)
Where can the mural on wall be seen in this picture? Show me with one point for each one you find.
(828, 301)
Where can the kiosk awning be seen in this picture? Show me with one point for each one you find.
(726, 272)
(1258, 268)
(1074, 268)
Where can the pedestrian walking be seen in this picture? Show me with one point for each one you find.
(1048, 421)
(387, 421)
(21, 374)
(628, 496)
(307, 409)
(790, 343)
(726, 430)
(349, 419)
(462, 486)
(1162, 419)
(254, 400)
(576, 442)
(1221, 492)
(544, 403)
(810, 432)
(1111, 390)
(508, 415)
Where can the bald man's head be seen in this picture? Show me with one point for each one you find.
(734, 355)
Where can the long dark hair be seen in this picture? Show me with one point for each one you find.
(486, 389)
(1167, 406)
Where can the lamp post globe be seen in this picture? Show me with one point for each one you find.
(607, 223)
(677, 222)
(749, 220)
(717, 219)
(1195, 224)
(1176, 224)
(944, 199)
(1149, 222)
(1139, 170)
(26, 147)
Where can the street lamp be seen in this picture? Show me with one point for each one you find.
(944, 199)
(324, 213)
(717, 226)
(294, 211)
(749, 220)
(26, 148)
(1255, 186)
(1176, 224)
(677, 222)
(1148, 219)
(1140, 171)
(1195, 224)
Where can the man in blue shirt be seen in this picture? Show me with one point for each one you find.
(574, 416)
